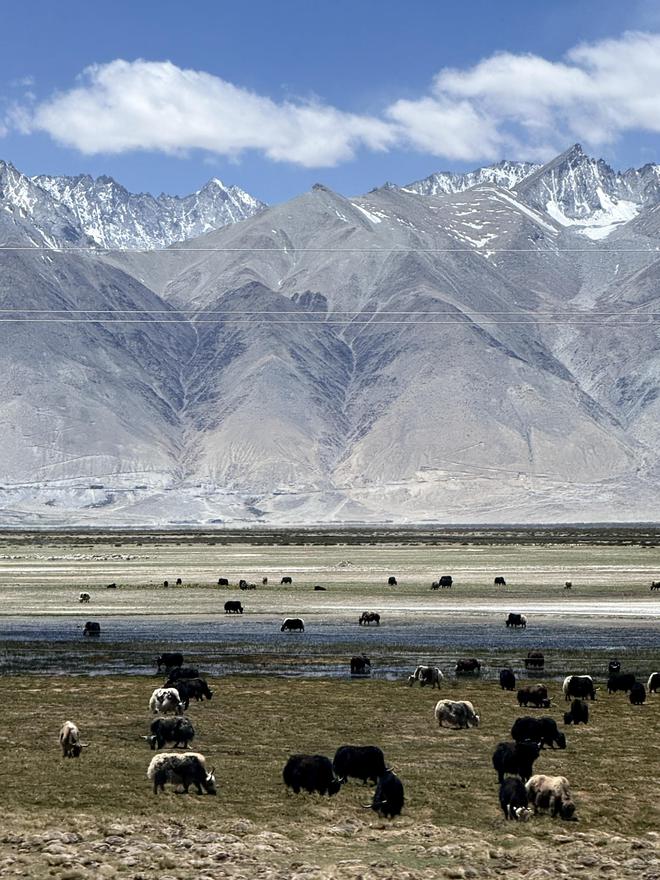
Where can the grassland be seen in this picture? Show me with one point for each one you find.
(44, 577)
(97, 817)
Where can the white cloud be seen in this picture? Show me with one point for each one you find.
(145, 105)
(442, 127)
(531, 105)
(514, 105)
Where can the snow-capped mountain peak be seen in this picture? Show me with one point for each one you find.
(574, 189)
(116, 218)
(33, 215)
(505, 174)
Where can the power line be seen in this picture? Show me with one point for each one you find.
(357, 312)
(348, 321)
(320, 250)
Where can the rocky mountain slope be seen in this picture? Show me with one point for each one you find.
(460, 357)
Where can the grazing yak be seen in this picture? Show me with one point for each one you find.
(369, 617)
(621, 682)
(310, 773)
(246, 586)
(360, 665)
(534, 660)
(186, 770)
(655, 585)
(179, 582)
(166, 701)
(499, 581)
(541, 730)
(264, 581)
(581, 686)
(568, 585)
(111, 586)
(92, 628)
(359, 762)
(233, 606)
(286, 580)
(445, 581)
(84, 597)
(515, 758)
(319, 589)
(551, 793)
(613, 667)
(516, 621)
(388, 799)
(426, 675)
(179, 673)
(637, 694)
(456, 714)
(391, 581)
(223, 582)
(293, 624)
(193, 688)
(468, 664)
(578, 714)
(535, 695)
(653, 683)
(514, 800)
(170, 660)
(507, 680)
(178, 732)
(70, 740)
(166, 583)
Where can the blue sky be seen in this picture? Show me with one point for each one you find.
(284, 94)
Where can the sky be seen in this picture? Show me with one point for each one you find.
(275, 95)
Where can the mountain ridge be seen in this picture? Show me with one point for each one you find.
(458, 357)
(107, 215)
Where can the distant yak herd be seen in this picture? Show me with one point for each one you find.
(513, 620)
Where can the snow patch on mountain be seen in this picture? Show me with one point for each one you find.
(373, 218)
(600, 223)
(533, 215)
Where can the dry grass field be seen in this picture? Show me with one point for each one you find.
(98, 817)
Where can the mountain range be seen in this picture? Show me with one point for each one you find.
(101, 212)
(477, 347)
